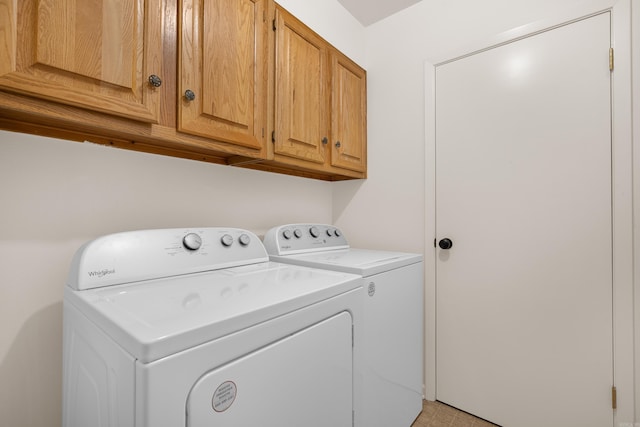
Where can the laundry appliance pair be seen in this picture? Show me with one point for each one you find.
(198, 327)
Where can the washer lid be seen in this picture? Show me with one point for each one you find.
(357, 261)
(153, 319)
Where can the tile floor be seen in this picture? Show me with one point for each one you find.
(436, 414)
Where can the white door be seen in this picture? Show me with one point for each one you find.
(523, 191)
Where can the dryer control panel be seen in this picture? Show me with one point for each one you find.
(302, 238)
(151, 254)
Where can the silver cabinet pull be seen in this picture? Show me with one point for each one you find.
(189, 94)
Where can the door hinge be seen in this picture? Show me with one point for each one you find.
(610, 59)
(273, 24)
(273, 136)
(614, 398)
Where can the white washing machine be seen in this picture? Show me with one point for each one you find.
(196, 327)
(393, 315)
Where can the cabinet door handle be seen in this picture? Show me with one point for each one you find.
(155, 81)
(325, 140)
(338, 144)
(189, 94)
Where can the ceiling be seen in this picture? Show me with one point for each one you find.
(370, 11)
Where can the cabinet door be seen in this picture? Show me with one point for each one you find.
(94, 54)
(223, 65)
(348, 114)
(301, 101)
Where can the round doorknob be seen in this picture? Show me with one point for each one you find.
(445, 243)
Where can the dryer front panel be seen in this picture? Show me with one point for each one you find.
(305, 379)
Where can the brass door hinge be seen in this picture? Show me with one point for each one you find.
(610, 59)
(614, 398)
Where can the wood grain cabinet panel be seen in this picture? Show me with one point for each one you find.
(319, 104)
(94, 54)
(223, 70)
(301, 101)
(348, 114)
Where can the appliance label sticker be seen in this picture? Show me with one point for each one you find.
(224, 396)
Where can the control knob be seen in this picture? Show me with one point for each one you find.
(226, 240)
(192, 241)
(314, 231)
(287, 234)
(297, 233)
(244, 239)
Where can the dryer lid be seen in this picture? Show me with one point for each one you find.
(153, 319)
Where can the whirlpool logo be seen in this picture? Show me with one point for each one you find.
(101, 273)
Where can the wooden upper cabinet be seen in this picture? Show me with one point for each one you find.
(348, 114)
(223, 70)
(320, 102)
(95, 54)
(301, 98)
(216, 80)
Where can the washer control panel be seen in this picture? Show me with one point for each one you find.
(148, 254)
(300, 238)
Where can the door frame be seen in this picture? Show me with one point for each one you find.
(622, 192)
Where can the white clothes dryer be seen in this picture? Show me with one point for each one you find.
(196, 327)
(393, 315)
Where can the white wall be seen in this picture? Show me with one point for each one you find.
(636, 194)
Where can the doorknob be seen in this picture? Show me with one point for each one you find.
(445, 243)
